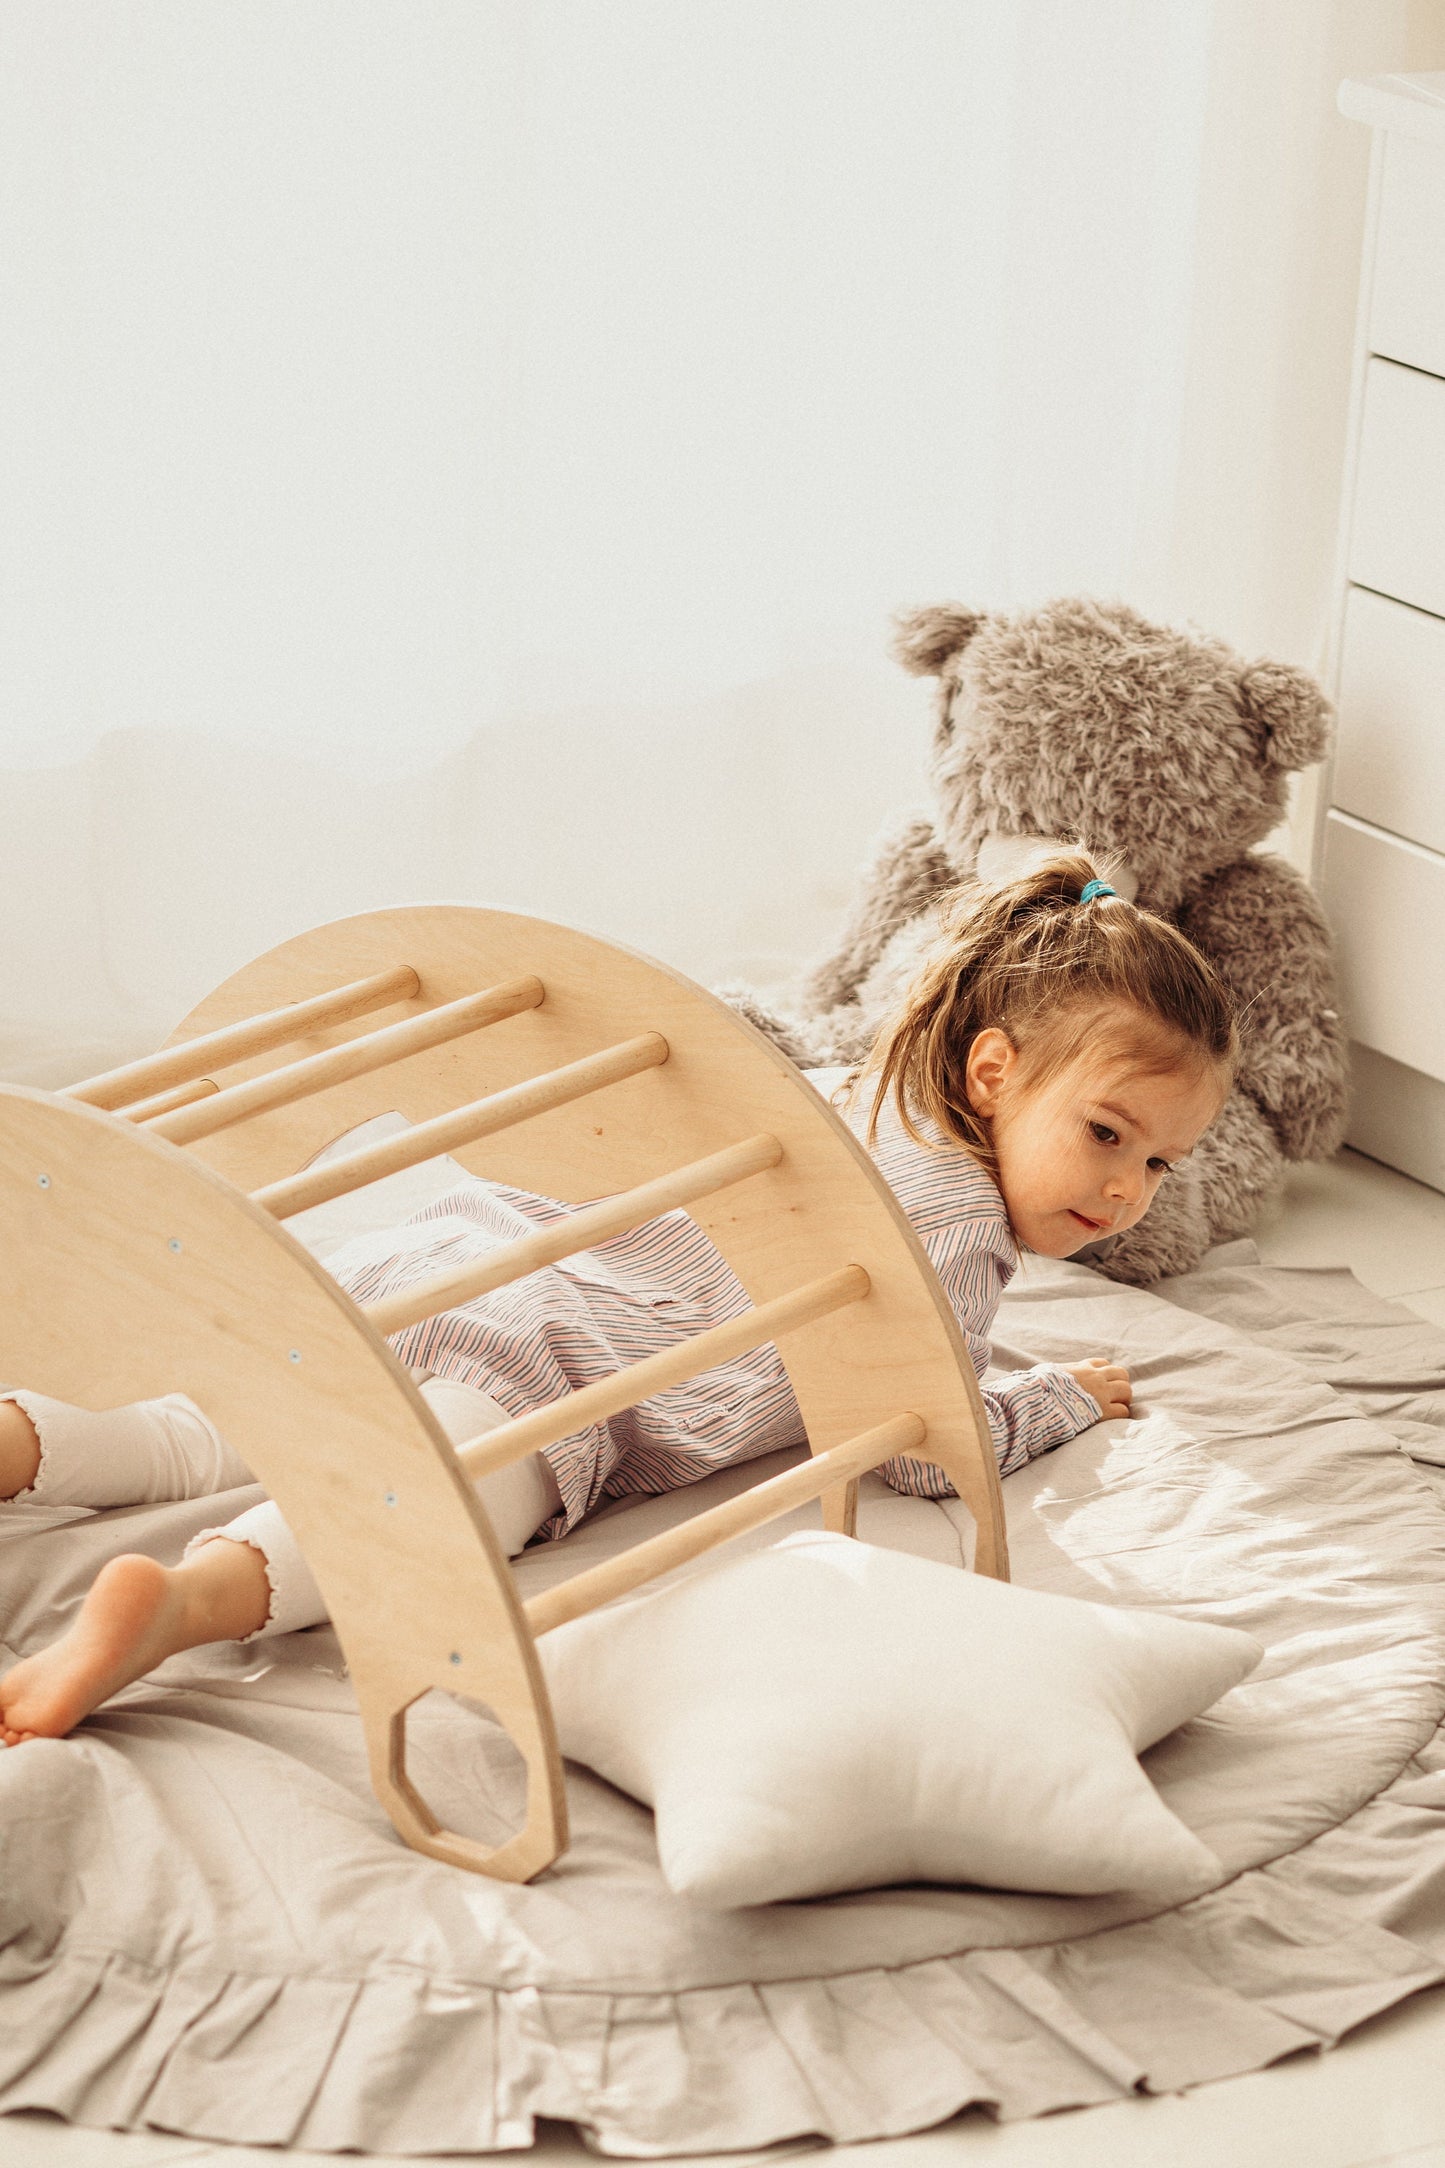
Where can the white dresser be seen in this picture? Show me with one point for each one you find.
(1382, 851)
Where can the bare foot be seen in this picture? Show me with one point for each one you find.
(136, 1615)
(119, 1635)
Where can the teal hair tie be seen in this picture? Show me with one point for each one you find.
(1092, 890)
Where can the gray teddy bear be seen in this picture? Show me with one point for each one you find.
(1166, 754)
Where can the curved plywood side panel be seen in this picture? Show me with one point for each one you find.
(131, 1270)
(597, 995)
(822, 1207)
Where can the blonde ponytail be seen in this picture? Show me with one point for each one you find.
(1030, 958)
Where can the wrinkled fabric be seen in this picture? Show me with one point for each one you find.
(136, 1455)
(207, 1925)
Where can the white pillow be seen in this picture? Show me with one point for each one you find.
(825, 1715)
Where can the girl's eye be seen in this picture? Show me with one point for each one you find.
(1160, 1166)
(1103, 1134)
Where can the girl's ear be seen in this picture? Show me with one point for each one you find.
(991, 1062)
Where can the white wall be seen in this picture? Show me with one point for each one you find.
(720, 834)
(473, 449)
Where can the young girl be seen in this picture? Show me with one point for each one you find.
(1059, 1051)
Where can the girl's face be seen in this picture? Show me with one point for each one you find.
(1082, 1153)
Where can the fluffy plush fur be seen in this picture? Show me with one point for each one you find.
(1166, 753)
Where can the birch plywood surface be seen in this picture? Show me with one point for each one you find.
(822, 1207)
(128, 1271)
(136, 1267)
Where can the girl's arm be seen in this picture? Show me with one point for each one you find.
(1029, 1412)
(957, 1212)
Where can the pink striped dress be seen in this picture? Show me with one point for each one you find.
(573, 1323)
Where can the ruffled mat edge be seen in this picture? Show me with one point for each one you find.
(1284, 1958)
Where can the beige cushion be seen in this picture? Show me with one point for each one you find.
(825, 1715)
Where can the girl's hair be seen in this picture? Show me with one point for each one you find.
(1027, 957)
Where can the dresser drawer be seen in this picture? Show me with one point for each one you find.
(1397, 535)
(1390, 747)
(1386, 902)
(1407, 301)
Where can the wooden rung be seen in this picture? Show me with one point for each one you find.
(483, 1118)
(184, 1095)
(578, 1231)
(354, 1057)
(156, 1073)
(750, 1509)
(609, 1396)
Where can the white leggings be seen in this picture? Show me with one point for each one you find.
(162, 1449)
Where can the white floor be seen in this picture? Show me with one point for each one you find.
(1377, 2098)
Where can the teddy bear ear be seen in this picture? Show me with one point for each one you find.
(1291, 711)
(926, 641)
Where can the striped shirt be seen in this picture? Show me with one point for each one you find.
(573, 1323)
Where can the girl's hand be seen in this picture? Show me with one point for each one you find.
(1107, 1382)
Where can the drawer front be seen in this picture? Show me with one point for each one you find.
(1407, 301)
(1386, 902)
(1390, 748)
(1397, 534)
